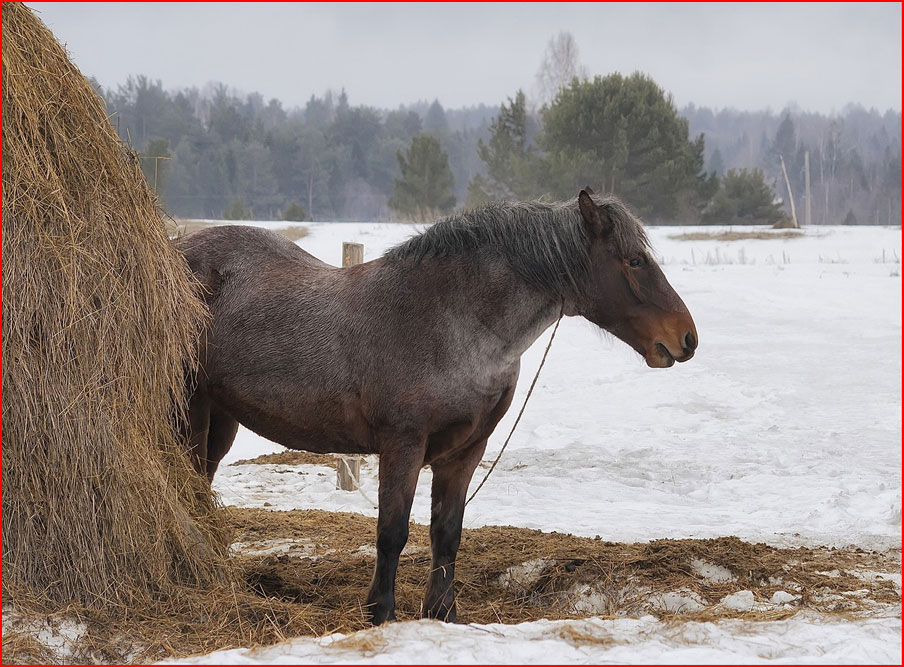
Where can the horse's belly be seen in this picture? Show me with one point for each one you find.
(325, 428)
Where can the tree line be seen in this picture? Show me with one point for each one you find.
(854, 157)
(215, 153)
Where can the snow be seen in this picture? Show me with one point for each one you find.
(801, 639)
(783, 597)
(740, 601)
(711, 572)
(785, 428)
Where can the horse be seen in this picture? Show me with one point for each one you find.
(413, 356)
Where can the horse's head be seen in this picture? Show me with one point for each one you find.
(627, 293)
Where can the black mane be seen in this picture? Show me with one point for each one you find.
(546, 244)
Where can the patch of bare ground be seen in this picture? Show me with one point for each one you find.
(290, 458)
(736, 236)
(181, 227)
(511, 575)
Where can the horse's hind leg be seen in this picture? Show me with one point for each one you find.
(197, 427)
(400, 462)
(450, 486)
(219, 438)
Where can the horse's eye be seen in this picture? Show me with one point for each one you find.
(634, 263)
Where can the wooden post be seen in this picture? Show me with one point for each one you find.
(348, 472)
(352, 253)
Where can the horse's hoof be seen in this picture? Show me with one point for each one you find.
(443, 613)
(380, 615)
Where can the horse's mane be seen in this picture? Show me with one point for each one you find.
(546, 244)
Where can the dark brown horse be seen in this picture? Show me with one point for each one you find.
(414, 356)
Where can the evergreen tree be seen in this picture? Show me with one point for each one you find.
(716, 163)
(510, 161)
(785, 142)
(436, 122)
(743, 198)
(294, 212)
(426, 186)
(622, 134)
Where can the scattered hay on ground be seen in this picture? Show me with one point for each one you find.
(576, 577)
(291, 458)
(736, 236)
(316, 583)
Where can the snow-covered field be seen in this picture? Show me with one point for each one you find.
(785, 428)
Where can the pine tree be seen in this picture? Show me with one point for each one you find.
(743, 198)
(426, 187)
(509, 159)
(623, 135)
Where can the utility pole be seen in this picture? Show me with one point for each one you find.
(790, 194)
(155, 158)
(808, 214)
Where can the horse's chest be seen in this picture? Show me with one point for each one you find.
(466, 427)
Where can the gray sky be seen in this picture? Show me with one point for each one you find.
(750, 56)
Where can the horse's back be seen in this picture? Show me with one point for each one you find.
(235, 250)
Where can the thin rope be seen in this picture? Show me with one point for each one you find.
(524, 405)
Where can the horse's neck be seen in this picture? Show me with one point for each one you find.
(520, 321)
(494, 309)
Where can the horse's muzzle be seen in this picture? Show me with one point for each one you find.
(661, 356)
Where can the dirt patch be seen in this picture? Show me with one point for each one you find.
(511, 575)
(290, 458)
(736, 236)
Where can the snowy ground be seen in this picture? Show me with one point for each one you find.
(593, 641)
(785, 428)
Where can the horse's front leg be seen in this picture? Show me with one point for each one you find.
(400, 462)
(450, 487)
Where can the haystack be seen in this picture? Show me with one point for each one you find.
(100, 505)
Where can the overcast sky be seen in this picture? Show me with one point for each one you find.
(751, 56)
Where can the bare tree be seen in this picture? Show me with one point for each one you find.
(559, 66)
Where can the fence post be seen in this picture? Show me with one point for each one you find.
(348, 472)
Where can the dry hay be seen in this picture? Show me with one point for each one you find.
(99, 323)
(103, 518)
(735, 236)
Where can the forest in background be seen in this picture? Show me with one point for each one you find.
(213, 152)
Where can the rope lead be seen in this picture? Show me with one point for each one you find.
(526, 398)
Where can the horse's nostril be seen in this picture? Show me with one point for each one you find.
(690, 342)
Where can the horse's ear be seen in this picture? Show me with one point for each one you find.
(591, 213)
(588, 190)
